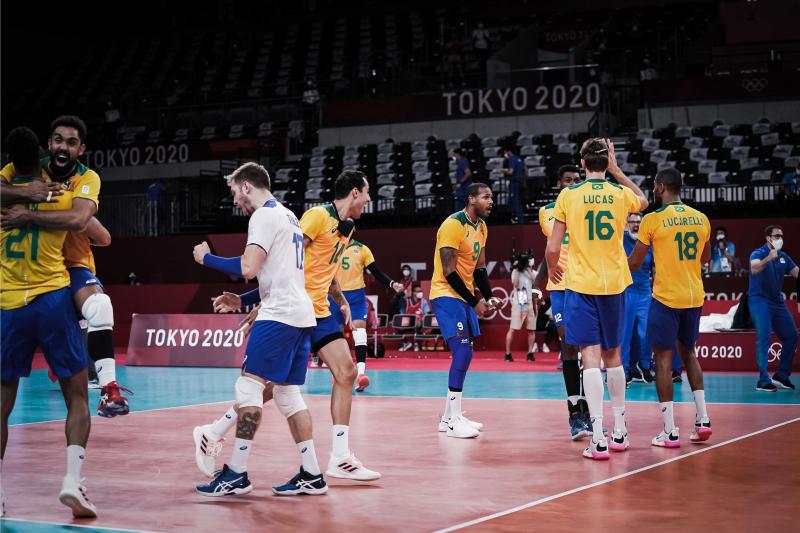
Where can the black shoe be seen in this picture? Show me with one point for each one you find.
(676, 377)
(782, 383)
(530, 357)
(646, 373)
(636, 376)
(509, 358)
(302, 483)
(766, 386)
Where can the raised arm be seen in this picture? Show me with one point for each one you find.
(637, 256)
(758, 265)
(620, 176)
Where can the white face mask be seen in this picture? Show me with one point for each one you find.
(418, 295)
(720, 237)
(406, 273)
(530, 262)
(777, 244)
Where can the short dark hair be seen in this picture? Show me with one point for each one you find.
(347, 181)
(671, 178)
(22, 146)
(416, 284)
(722, 229)
(253, 173)
(769, 229)
(594, 153)
(475, 188)
(70, 121)
(633, 213)
(567, 168)
(458, 151)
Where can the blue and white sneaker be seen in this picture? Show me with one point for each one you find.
(577, 426)
(226, 483)
(302, 483)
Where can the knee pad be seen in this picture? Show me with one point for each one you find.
(360, 337)
(249, 392)
(288, 399)
(98, 312)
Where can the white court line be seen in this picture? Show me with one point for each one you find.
(82, 526)
(609, 480)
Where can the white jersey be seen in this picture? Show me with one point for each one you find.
(281, 283)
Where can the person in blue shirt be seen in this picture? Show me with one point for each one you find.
(514, 168)
(463, 179)
(637, 305)
(723, 253)
(791, 182)
(768, 266)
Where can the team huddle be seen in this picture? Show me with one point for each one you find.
(310, 275)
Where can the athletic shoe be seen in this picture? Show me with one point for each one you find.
(628, 379)
(302, 483)
(636, 376)
(667, 440)
(362, 383)
(227, 483)
(530, 357)
(702, 430)
(73, 495)
(315, 362)
(577, 426)
(535, 347)
(597, 450)
(406, 346)
(206, 448)
(112, 403)
(782, 383)
(472, 423)
(766, 386)
(94, 384)
(545, 348)
(350, 468)
(459, 428)
(445, 422)
(619, 441)
(509, 358)
(647, 374)
(676, 377)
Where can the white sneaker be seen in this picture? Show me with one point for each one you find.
(667, 440)
(443, 424)
(619, 441)
(702, 430)
(206, 448)
(350, 467)
(535, 348)
(476, 425)
(545, 348)
(459, 428)
(597, 450)
(73, 495)
(406, 346)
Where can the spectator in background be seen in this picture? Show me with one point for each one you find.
(463, 179)
(523, 307)
(637, 306)
(514, 168)
(723, 254)
(768, 266)
(154, 191)
(791, 182)
(480, 41)
(416, 305)
(399, 298)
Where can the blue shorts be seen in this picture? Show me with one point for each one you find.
(595, 319)
(278, 352)
(557, 307)
(665, 325)
(326, 331)
(455, 317)
(80, 277)
(358, 305)
(51, 322)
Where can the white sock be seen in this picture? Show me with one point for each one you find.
(362, 367)
(700, 402)
(616, 389)
(75, 457)
(241, 452)
(668, 414)
(453, 404)
(573, 400)
(593, 387)
(106, 371)
(308, 457)
(223, 425)
(341, 442)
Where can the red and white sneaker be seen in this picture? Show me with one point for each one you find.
(597, 450)
(207, 447)
(362, 383)
(619, 441)
(667, 440)
(349, 467)
(112, 403)
(702, 430)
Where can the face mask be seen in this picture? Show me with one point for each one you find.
(418, 295)
(634, 234)
(777, 244)
(720, 237)
(406, 273)
(530, 263)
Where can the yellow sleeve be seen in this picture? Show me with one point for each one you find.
(646, 229)
(706, 228)
(450, 234)
(560, 211)
(313, 222)
(632, 201)
(545, 227)
(88, 187)
(367, 257)
(7, 174)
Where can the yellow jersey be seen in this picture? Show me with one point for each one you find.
(356, 258)
(595, 212)
(32, 257)
(546, 220)
(469, 239)
(323, 255)
(678, 233)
